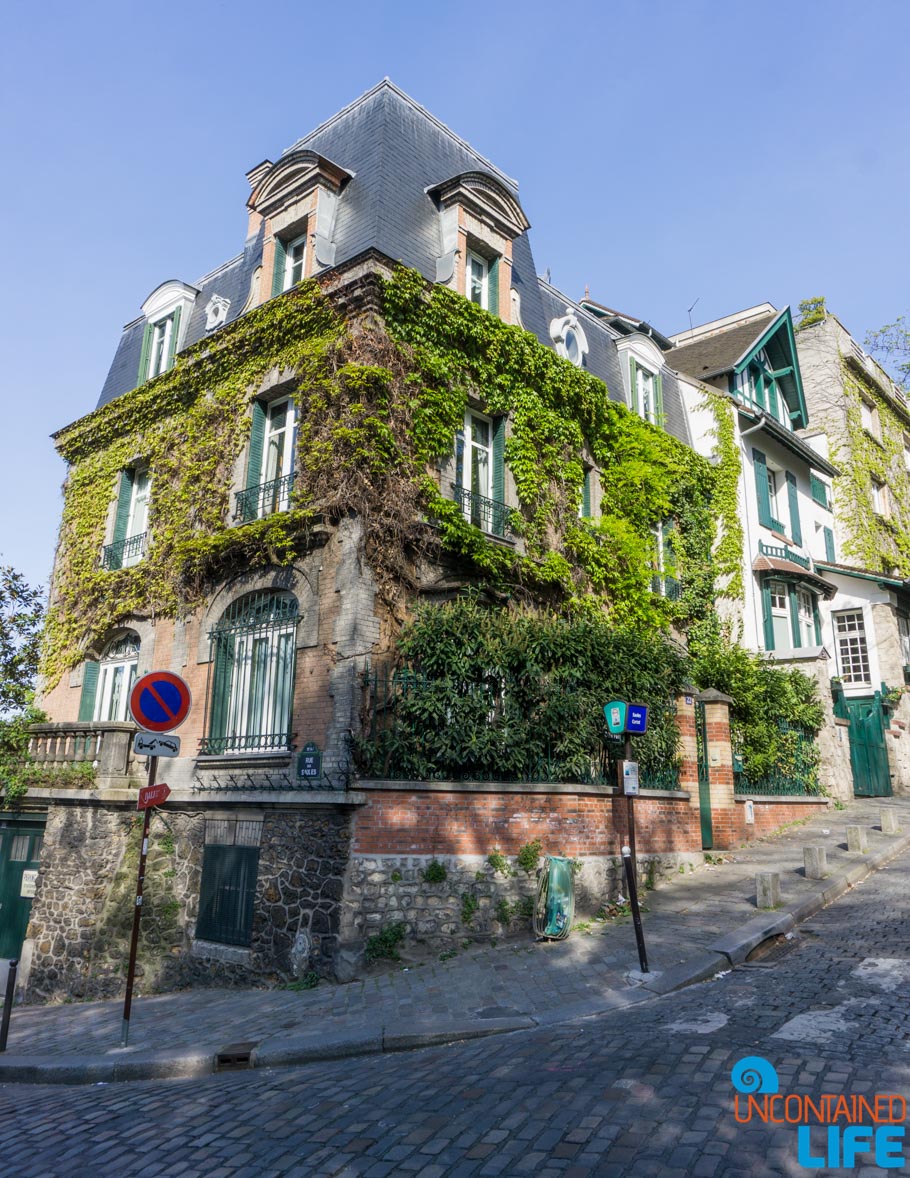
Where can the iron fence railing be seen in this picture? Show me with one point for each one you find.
(123, 553)
(487, 514)
(394, 724)
(266, 499)
(249, 742)
(784, 553)
(798, 779)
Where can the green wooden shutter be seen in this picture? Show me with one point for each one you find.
(223, 653)
(172, 346)
(793, 494)
(586, 493)
(278, 271)
(226, 894)
(816, 617)
(659, 401)
(829, 544)
(493, 286)
(499, 470)
(760, 463)
(633, 387)
(144, 356)
(257, 441)
(89, 687)
(121, 517)
(767, 617)
(794, 616)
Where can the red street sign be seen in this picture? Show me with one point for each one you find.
(153, 795)
(160, 701)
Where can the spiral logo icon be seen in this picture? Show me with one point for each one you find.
(754, 1074)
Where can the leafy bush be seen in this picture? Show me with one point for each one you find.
(435, 872)
(385, 944)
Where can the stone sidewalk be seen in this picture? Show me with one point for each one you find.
(700, 924)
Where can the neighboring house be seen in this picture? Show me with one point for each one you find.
(273, 614)
(798, 602)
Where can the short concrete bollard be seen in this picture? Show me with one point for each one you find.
(857, 839)
(889, 822)
(816, 861)
(767, 889)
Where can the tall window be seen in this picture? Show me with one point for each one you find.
(478, 442)
(806, 607)
(129, 540)
(295, 259)
(253, 649)
(903, 629)
(780, 616)
(646, 402)
(117, 674)
(663, 562)
(227, 890)
(478, 281)
(772, 494)
(159, 352)
(879, 497)
(852, 651)
(270, 473)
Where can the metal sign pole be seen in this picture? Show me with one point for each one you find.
(134, 941)
(636, 913)
(630, 812)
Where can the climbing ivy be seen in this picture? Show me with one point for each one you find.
(379, 404)
(728, 552)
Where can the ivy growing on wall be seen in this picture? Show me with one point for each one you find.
(728, 552)
(379, 405)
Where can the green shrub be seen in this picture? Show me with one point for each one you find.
(528, 855)
(385, 943)
(435, 872)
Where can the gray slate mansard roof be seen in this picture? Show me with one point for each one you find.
(396, 150)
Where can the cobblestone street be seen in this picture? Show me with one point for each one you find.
(644, 1091)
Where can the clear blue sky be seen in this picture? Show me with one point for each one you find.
(667, 151)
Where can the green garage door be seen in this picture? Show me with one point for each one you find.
(20, 852)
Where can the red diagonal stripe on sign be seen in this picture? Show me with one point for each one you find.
(167, 711)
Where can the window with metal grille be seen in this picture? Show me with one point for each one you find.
(852, 651)
(226, 894)
(253, 654)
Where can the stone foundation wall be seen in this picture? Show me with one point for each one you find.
(81, 916)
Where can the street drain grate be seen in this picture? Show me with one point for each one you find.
(235, 1057)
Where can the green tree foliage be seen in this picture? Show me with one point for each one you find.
(508, 694)
(891, 345)
(811, 311)
(21, 615)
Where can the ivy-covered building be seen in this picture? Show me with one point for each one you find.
(376, 401)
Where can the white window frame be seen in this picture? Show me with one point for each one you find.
(160, 345)
(482, 450)
(852, 648)
(903, 630)
(294, 258)
(116, 676)
(879, 498)
(780, 610)
(274, 677)
(805, 609)
(279, 450)
(470, 259)
(772, 494)
(646, 390)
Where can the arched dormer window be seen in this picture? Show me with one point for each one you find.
(569, 338)
(166, 312)
(252, 685)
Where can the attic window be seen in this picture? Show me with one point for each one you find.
(569, 338)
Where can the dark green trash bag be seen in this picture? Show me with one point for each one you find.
(555, 907)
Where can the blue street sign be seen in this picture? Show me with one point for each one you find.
(637, 718)
(616, 715)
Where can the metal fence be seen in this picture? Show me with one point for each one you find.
(798, 779)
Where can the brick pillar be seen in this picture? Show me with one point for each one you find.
(720, 768)
(688, 747)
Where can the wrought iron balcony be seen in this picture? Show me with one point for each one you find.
(124, 552)
(250, 742)
(266, 499)
(487, 514)
(667, 587)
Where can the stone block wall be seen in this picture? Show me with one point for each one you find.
(81, 917)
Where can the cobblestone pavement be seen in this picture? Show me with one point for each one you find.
(642, 1092)
(681, 918)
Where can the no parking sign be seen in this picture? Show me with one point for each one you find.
(160, 701)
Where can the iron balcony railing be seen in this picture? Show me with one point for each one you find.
(487, 514)
(123, 553)
(667, 587)
(784, 553)
(250, 742)
(266, 499)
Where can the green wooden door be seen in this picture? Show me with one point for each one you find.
(20, 851)
(704, 784)
(868, 755)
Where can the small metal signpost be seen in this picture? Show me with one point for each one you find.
(159, 702)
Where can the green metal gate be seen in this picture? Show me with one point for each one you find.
(704, 784)
(20, 852)
(868, 754)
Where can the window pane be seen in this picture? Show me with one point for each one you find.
(853, 655)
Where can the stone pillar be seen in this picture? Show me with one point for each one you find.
(688, 746)
(815, 859)
(725, 820)
(113, 761)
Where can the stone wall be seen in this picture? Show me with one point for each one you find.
(81, 917)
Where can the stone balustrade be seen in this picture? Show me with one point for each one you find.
(108, 747)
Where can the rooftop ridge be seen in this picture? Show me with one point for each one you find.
(387, 84)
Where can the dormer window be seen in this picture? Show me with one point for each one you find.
(166, 308)
(161, 348)
(646, 392)
(295, 260)
(569, 338)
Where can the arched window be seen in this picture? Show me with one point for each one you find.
(253, 647)
(106, 685)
